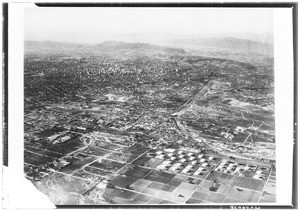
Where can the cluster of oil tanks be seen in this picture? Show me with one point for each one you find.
(183, 162)
(232, 167)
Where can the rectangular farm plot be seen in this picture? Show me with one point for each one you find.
(230, 200)
(178, 179)
(168, 188)
(243, 194)
(108, 165)
(110, 193)
(126, 194)
(96, 171)
(181, 195)
(223, 189)
(201, 194)
(161, 177)
(153, 162)
(163, 194)
(141, 161)
(181, 178)
(174, 182)
(215, 197)
(140, 184)
(205, 184)
(187, 186)
(193, 201)
(221, 177)
(150, 191)
(252, 184)
(82, 174)
(142, 198)
(154, 201)
(123, 182)
(156, 185)
(137, 171)
(167, 202)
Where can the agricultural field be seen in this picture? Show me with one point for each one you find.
(148, 184)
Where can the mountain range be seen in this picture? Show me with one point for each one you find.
(166, 46)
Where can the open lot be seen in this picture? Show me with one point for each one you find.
(67, 147)
(95, 151)
(47, 153)
(119, 156)
(106, 145)
(107, 165)
(36, 159)
(76, 164)
(59, 180)
(137, 171)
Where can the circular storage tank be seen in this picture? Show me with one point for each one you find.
(169, 150)
(181, 156)
(204, 164)
(258, 172)
(202, 160)
(182, 160)
(194, 162)
(173, 158)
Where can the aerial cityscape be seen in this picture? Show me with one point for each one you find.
(183, 121)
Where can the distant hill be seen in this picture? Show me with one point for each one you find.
(231, 43)
(116, 45)
(107, 47)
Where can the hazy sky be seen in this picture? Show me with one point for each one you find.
(98, 24)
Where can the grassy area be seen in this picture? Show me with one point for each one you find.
(67, 147)
(107, 165)
(35, 159)
(76, 164)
